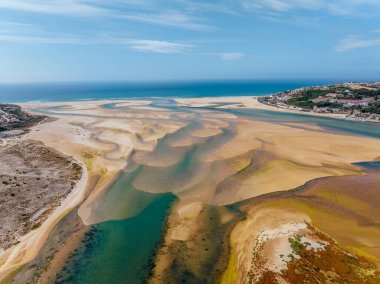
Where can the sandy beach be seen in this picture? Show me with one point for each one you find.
(250, 102)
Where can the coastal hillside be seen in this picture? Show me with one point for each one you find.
(359, 101)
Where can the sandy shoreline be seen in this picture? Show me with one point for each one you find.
(250, 102)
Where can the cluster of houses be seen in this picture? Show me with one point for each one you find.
(342, 100)
(7, 118)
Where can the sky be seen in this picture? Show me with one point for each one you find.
(164, 40)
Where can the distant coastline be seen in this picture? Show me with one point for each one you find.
(233, 91)
(353, 101)
(64, 92)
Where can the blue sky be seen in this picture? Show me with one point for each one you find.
(90, 40)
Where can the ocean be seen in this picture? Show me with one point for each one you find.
(18, 93)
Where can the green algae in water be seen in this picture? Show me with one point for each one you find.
(120, 251)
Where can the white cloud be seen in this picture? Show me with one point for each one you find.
(9, 27)
(220, 6)
(144, 45)
(171, 18)
(41, 39)
(158, 46)
(356, 42)
(181, 13)
(142, 11)
(337, 7)
(68, 7)
(231, 56)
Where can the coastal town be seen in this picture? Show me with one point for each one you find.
(15, 121)
(356, 101)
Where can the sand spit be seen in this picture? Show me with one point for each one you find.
(195, 245)
(248, 102)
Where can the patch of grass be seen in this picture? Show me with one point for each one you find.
(295, 244)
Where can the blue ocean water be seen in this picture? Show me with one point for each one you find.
(96, 91)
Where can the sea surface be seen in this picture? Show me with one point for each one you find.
(98, 91)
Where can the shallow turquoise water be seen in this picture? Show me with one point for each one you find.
(120, 251)
(370, 165)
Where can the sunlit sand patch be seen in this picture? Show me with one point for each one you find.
(122, 141)
(212, 101)
(206, 131)
(118, 124)
(161, 159)
(77, 107)
(289, 175)
(68, 134)
(193, 134)
(241, 142)
(96, 110)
